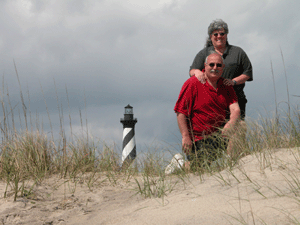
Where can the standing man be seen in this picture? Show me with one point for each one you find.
(201, 111)
(238, 68)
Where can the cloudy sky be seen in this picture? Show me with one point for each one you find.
(92, 58)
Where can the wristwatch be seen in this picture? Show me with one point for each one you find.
(234, 82)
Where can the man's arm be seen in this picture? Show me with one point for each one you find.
(239, 80)
(197, 66)
(186, 140)
(229, 128)
(234, 118)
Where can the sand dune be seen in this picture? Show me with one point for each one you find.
(261, 189)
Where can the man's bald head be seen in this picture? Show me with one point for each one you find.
(211, 53)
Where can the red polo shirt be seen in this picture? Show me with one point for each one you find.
(204, 107)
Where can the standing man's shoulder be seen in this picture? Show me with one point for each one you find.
(236, 49)
(205, 51)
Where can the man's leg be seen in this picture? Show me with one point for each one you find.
(218, 146)
(205, 151)
(196, 156)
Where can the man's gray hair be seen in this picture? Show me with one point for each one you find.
(213, 52)
(217, 24)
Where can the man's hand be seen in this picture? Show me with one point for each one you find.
(228, 130)
(199, 74)
(186, 144)
(186, 139)
(228, 82)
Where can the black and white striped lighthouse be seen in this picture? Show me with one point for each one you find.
(129, 147)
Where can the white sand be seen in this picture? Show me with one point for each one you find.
(271, 197)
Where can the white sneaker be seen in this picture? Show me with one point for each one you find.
(176, 163)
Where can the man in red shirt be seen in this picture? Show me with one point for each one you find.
(201, 111)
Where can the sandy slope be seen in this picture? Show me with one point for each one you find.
(264, 190)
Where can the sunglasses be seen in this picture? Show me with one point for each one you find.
(221, 34)
(213, 64)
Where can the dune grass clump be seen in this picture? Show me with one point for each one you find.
(23, 157)
(32, 156)
(30, 152)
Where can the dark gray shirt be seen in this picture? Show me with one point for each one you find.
(236, 63)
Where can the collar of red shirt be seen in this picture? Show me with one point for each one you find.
(219, 84)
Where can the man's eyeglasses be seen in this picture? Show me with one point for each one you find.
(213, 64)
(221, 34)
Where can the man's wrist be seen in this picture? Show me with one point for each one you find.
(186, 136)
(234, 82)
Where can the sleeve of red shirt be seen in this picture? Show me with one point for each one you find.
(185, 102)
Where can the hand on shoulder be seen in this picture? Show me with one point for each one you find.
(200, 75)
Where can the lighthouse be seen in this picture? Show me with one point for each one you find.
(129, 147)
